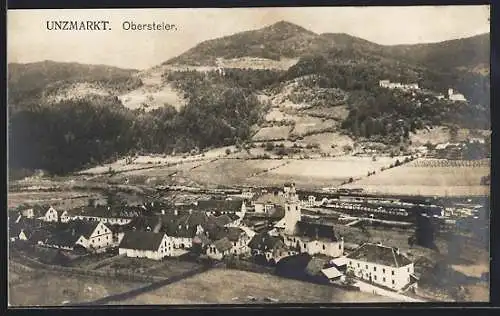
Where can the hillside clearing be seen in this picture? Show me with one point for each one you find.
(272, 133)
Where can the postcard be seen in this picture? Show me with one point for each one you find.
(268, 155)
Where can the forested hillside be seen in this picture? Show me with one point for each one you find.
(222, 108)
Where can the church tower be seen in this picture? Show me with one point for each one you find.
(292, 210)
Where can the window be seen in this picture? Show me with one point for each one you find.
(374, 268)
(98, 239)
(375, 277)
(366, 266)
(383, 270)
(383, 279)
(408, 270)
(392, 272)
(393, 282)
(340, 246)
(358, 265)
(324, 247)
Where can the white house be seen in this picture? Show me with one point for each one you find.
(141, 244)
(455, 96)
(50, 215)
(381, 265)
(220, 248)
(105, 214)
(95, 237)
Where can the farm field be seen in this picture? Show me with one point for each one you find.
(441, 134)
(340, 168)
(326, 140)
(426, 180)
(307, 173)
(59, 199)
(228, 171)
(52, 289)
(333, 112)
(145, 161)
(233, 287)
(275, 114)
(165, 268)
(272, 133)
(306, 125)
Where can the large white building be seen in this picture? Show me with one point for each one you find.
(455, 96)
(381, 265)
(141, 244)
(397, 85)
(105, 214)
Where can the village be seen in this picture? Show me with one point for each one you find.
(272, 228)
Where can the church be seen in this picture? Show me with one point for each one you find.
(306, 234)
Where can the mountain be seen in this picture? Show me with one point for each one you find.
(286, 40)
(304, 84)
(31, 79)
(280, 40)
(468, 53)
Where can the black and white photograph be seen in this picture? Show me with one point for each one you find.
(247, 156)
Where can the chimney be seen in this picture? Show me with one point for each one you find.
(176, 212)
(163, 212)
(190, 211)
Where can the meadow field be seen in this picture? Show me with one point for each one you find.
(234, 287)
(51, 289)
(421, 178)
(272, 133)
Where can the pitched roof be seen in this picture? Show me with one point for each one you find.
(316, 230)
(183, 225)
(264, 242)
(223, 244)
(234, 233)
(140, 240)
(66, 234)
(108, 212)
(379, 254)
(331, 273)
(222, 220)
(220, 205)
(270, 198)
(145, 223)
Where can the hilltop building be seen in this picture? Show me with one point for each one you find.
(455, 96)
(397, 85)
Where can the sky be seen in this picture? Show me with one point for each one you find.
(28, 40)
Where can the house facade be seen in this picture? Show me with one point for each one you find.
(51, 215)
(94, 237)
(381, 265)
(104, 214)
(150, 245)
